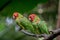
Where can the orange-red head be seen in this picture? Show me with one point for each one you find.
(15, 15)
(32, 17)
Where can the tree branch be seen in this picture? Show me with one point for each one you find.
(46, 37)
(31, 34)
(54, 35)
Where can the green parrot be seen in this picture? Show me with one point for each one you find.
(23, 22)
(39, 25)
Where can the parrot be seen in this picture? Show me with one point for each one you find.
(39, 25)
(23, 22)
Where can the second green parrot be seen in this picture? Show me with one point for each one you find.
(39, 25)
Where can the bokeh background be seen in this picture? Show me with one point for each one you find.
(48, 9)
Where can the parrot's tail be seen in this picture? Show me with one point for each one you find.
(41, 38)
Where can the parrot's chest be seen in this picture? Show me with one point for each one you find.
(20, 23)
(38, 24)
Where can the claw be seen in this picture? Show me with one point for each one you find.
(51, 32)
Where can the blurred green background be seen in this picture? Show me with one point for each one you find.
(46, 8)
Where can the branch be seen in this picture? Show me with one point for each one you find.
(46, 37)
(33, 35)
(54, 35)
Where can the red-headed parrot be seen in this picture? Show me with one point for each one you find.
(38, 24)
(23, 22)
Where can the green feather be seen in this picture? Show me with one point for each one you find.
(41, 25)
(25, 24)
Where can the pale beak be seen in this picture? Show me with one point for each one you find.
(13, 17)
(30, 19)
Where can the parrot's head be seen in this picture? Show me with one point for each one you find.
(32, 17)
(16, 15)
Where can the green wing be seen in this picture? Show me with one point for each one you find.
(26, 24)
(36, 28)
(43, 27)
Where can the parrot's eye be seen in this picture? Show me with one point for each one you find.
(29, 18)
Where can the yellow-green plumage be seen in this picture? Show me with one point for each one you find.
(24, 23)
(41, 25)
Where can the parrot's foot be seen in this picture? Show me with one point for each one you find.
(51, 32)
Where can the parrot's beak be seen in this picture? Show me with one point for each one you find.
(30, 19)
(13, 17)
